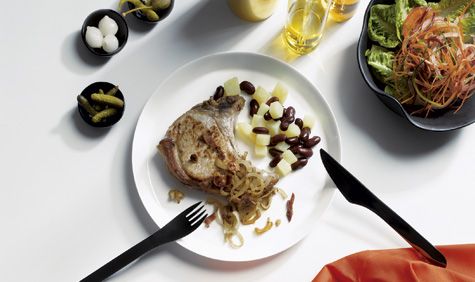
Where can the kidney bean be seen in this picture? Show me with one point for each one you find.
(304, 134)
(299, 123)
(275, 152)
(290, 119)
(295, 148)
(290, 112)
(260, 130)
(312, 142)
(292, 140)
(275, 161)
(218, 93)
(301, 162)
(272, 100)
(267, 116)
(284, 125)
(253, 107)
(274, 140)
(305, 152)
(247, 87)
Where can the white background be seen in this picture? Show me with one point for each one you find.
(68, 202)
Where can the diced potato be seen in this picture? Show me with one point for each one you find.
(244, 132)
(276, 110)
(263, 108)
(283, 168)
(280, 92)
(308, 121)
(231, 87)
(273, 126)
(262, 139)
(258, 121)
(260, 151)
(289, 156)
(261, 95)
(292, 131)
(282, 146)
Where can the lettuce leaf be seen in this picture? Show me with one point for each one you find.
(381, 62)
(468, 27)
(417, 3)
(382, 25)
(451, 8)
(401, 9)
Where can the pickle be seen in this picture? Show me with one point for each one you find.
(111, 92)
(101, 91)
(98, 107)
(107, 100)
(84, 103)
(140, 6)
(104, 114)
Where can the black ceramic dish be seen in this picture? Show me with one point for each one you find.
(444, 121)
(93, 20)
(162, 14)
(94, 88)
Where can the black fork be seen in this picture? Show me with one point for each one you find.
(182, 225)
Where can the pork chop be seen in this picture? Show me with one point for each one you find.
(200, 150)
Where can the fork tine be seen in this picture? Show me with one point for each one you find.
(197, 217)
(190, 209)
(202, 216)
(194, 212)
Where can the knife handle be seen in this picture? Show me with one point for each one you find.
(406, 231)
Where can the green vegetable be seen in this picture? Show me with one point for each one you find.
(390, 90)
(381, 62)
(401, 9)
(468, 25)
(140, 6)
(107, 100)
(104, 114)
(382, 25)
(84, 103)
(452, 8)
(112, 91)
(417, 3)
(160, 4)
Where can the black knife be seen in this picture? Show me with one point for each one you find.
(355, 192)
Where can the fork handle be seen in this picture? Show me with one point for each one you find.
(125, 258)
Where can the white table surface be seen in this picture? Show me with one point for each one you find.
(68, 202)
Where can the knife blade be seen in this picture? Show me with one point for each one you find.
(356, 193)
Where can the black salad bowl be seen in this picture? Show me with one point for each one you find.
(443, 121)
(93, 20)
(94, 88)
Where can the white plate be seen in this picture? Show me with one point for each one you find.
(196, 82)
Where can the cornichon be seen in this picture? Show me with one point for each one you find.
(86, 106)
(104, 114)
(140, 6)
(108, 100)
(112, 91)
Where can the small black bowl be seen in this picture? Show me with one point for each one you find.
(162, 14)
(94, 88)
(443, 121)
(93, 20)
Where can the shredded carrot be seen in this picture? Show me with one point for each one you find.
(433, 69)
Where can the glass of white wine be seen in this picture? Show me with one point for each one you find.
(343, 10)
(305, 24)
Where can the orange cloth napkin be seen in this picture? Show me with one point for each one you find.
(401, 265)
